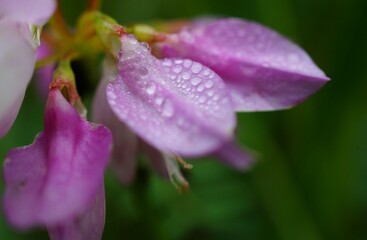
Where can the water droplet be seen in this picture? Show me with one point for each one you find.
(195, 81)
(187, 63)
(146, 46)
(111, 95)
(196, 68)
(143, 71)
(178, 61)
(151, 87)
(177, 69)
(206, 72)
(158, 100)
(210, 93)
(209, 84)
(167, 62)
(133, 40)
(185, 75)
(167, 108)
(202, 99)
(200, 88)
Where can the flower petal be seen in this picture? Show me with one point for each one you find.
(15, 50)
(88, 226)
(44, 74)
(262, 69)
(57, 177)
(235, 156)
(35, 12)
(125, 142)
(173, 104)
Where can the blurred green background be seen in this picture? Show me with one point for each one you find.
(311, 181)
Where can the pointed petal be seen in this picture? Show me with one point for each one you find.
(155, 158)
(15, 50)
(35, 12)
(88, 226)
(262, 69)
(235, 156)
(174, 105)
(56, 177)
(123, 162)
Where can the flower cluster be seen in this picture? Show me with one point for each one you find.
(167, 95)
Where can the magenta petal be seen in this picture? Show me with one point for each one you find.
(57, 177)
(235, 156)
(174, 105)
(44, 74)
(123, 162)
(88, 226)
(35, 12)
(262, 69)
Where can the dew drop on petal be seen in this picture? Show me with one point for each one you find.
(209, 84)
(177, 69)
(151, 87)
(195, 81)
(196, 68)
(185, 75)
(200, 88)
(202, 99)
(158, 100)
(167, 108)
(187, 63)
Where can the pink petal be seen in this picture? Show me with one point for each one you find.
(155, 158)
(88, 226)
(44, 74)
(262, 69)
(15, 50)
(35, 12)
(174, 105)
(56, 178)
(123, 162)
(235, 156)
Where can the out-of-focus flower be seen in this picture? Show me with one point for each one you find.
(19, 27)
(261, 69)
(58, 180)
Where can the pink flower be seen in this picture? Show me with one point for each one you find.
(261, 69)
(177, 106)
(18, 49)
(58, 180)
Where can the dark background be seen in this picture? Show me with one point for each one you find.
(310, 182)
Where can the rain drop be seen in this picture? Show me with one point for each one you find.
(196, 68)
(209, 84)
(185, 75)
(167, 109)
(195, 81)
(151, 87)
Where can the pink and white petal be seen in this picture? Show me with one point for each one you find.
(235, 156)
(175, 105)
(17, 59)
(35, 12)
(123, 162)
(264, 70)
(88, 226)
(57, 177)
